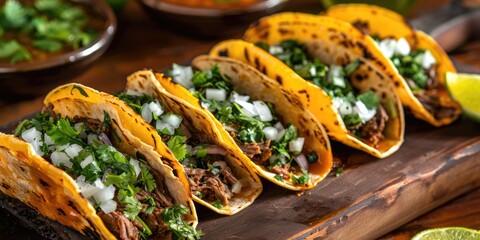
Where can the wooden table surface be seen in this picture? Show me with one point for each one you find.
(143, 43)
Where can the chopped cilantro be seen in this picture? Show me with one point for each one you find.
(132, 205)
(303, 179)
(82, 91)
(135, 102)
(147, 180)
(312, 157)
(214, 169)
(212, 79)
(63, 133)
(339, 171)
(370, 99)
(410, 67)
(279, 177)
(218, 204)
(177, 144)
(181, 230)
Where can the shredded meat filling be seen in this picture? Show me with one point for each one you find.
(372, 130)
(120, 225)
(210, 186)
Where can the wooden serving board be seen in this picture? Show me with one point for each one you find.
(370, 198)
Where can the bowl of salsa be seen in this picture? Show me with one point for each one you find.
(47, 42)
(209, 18)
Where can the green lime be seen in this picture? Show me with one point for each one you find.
(448, 233)
(465, 89)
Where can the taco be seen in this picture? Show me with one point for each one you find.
(282, 141)
(329, 66)
(217, 177)
(77, 164)
(420, 61)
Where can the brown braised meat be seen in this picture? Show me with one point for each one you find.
(210, 186)
(371, 131)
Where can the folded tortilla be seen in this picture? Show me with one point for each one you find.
(332, 42)
(248, 81)
(385, 23)
(49, 190)
(199, 123)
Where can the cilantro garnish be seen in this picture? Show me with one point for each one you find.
(370, 99)
(410, 67)
(63, 133)
(177, 144)
(181, 230)
(279, 177)
(218, 204)
(303, 179)
(135, 102)
(339, 171)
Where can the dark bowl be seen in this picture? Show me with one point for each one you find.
(27, 80)
(209, 22)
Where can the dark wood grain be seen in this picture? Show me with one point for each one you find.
(368, 200)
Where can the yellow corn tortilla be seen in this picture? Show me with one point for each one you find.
(145, 82)
(33, 180)
(333, 42)
(385, 24)
(249, 81)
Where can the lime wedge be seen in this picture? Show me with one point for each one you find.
(448, 233)
(465, 89)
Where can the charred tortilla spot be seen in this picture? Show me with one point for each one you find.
(365, 51)
(279, 79)
(379, 75)
(314, 36)
(21, 168)
(234, 69)
(257, 63)
(264, 70)
(359, 77)
(245, 53)
(336, 123)
(264, 35)
(61, 212)
(397, 84)
(45, 184)
(6, 186)
(223, 53)
(384, 95)
(284, 31)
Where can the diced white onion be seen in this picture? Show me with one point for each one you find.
(136, 166)
(279, 126)
(296, 145)
(146, 113)
(247, 108)
(277, 156)
(344, 107)
(89, 190)
(275, 50)
(105, 194)
(161, 126)
(234, 96)
(402, 47)
(31, 134)
(59, 158)
(108, 206)
(237, 187)
(99, 184)
(216, 94)
(335, 75)
(133, 93)
(36, 146)
(62, 147)
(313, 70)
(172, 119)
(182, 75)
(428, 60)
(80, 181)
(263, 111)
(270, 132)
(73, 150)
(301, 160)
(86, 161)
(230, 129)
(364, 113)
(280, 135)
(47, 139)
(221, 164)
(205, 105)
(155, 108)
(387, 47)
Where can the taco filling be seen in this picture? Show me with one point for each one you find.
(210, 178)
(252, 124)
(130, 198)
(361, 113)
(417, 67)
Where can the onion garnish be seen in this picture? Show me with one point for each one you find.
(301, 160)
